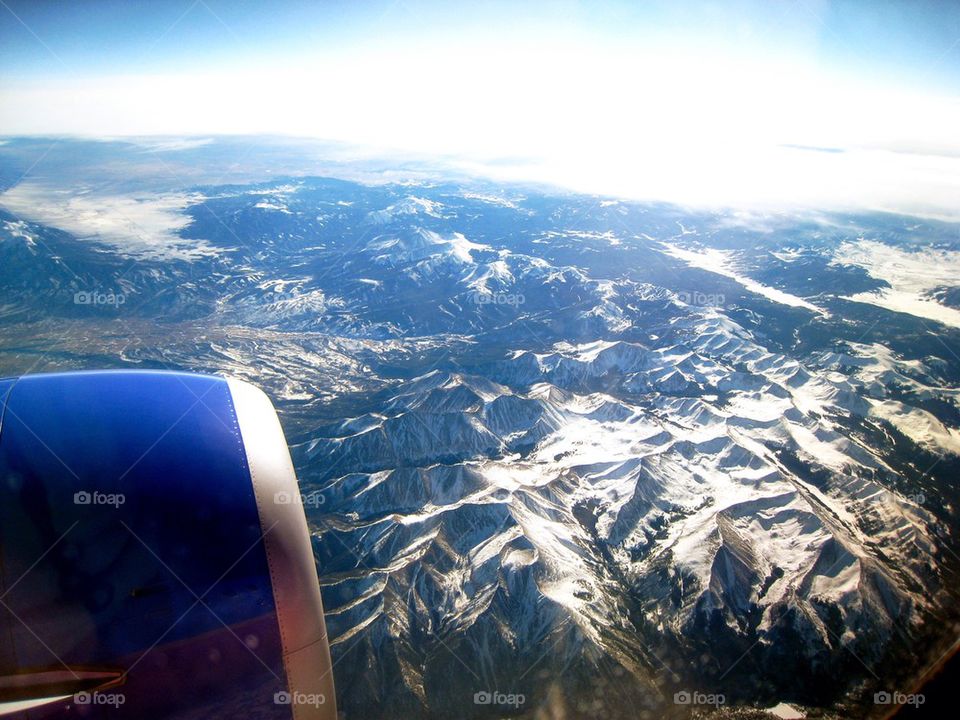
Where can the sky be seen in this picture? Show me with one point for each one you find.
(764, 104)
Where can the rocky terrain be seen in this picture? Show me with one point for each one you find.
(562, 456)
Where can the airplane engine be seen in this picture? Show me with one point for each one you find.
(155, 560)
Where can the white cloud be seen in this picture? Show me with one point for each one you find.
(139, 227)
(645, 123)
(171, 144)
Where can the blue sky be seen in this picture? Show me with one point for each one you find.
(904, 42)
(707, 97)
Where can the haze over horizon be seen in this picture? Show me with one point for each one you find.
(828, 105)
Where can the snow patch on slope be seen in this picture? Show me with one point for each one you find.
(721, 262)
(918, 425)
(912, 276)
(408, 206)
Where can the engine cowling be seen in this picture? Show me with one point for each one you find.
(155, 560)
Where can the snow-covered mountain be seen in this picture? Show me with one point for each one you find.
(607, 489)
(587, 452)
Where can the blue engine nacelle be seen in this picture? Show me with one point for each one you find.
(155, 560)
